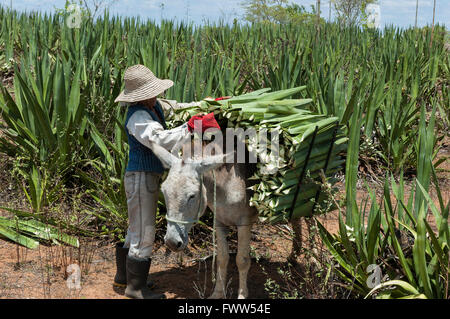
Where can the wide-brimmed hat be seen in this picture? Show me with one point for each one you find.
(141, 84)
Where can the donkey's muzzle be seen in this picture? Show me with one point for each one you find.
(174, 244)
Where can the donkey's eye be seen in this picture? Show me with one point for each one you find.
(191, 197)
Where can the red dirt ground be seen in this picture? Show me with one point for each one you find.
(40, 273)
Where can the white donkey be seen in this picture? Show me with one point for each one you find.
(189, 189)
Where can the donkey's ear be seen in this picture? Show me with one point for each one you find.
(166, 158)
(212, 162)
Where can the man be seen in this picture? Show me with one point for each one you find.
(145, 123)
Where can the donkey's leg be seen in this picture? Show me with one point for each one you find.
(243, 260)
(296, 240)
(222, 263)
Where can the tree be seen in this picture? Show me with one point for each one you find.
(318, 16)
(432, 27)
(329, 12)
(264, 10)
(351, 12)
(276, 11)
(299, 14)
(417, 9)
(97, 6)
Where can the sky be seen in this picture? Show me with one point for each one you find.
(400, 13)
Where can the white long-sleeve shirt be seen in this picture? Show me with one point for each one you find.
(142, 126)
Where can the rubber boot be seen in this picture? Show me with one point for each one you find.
(137, 272)
(120, 279)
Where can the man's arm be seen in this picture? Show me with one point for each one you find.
(169, 106)
(145, 129)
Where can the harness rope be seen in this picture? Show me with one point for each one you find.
(213, 267)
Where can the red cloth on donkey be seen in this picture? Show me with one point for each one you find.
(206, 121)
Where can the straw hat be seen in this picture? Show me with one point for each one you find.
(141, 84)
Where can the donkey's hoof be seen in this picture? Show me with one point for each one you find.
(217, 296)
(242, 294)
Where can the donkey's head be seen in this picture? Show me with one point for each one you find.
(184, 193)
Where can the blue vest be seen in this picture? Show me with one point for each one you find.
(141, 158)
